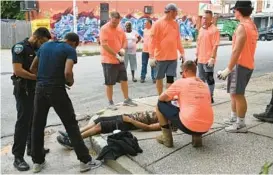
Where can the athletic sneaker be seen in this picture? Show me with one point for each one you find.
(38, 167)
(112, 107)
(64, 141)
(236, 128)
(129, 102)
(230, 120)
(89, 165)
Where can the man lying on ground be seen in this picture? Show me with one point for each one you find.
(147, 121)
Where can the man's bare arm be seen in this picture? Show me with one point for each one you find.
(145, 127)
(34, 66)
(164, 97)
(68, 72)
(108, 49)
(20, 72)
(239, 45)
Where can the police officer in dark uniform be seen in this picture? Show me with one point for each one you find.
(24, 82)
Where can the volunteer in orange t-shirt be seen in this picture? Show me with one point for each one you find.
(113, 41)
(145, 52)
(194, 115)
(164, 45)
(207, 44)
(241, 65)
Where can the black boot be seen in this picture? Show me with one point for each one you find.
(266, 116)
(20, 164)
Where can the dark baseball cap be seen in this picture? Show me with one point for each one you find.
(242, 4)
(170, 7)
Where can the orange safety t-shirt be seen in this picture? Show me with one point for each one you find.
(146, 40)
(246, 58)
(115, 38)
(207, 40)
(166, 40)
(194, 102)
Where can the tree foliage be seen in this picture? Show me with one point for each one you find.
(11, 10)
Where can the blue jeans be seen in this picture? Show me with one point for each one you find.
(145, 59)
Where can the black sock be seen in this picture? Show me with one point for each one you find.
(133, 74)
(166, 126)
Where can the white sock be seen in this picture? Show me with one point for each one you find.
(241, 121)
(233, 114)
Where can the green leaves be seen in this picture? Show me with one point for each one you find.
(11, 10)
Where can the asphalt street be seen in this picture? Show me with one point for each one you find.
(88, 93)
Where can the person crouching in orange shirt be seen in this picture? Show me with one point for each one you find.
(194, 115)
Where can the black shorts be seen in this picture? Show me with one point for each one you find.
(114, 73)
(109, 124)
(171, 113)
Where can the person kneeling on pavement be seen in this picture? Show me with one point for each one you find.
(147, 121)
(194, 116)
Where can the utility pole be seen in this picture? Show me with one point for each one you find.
(75, 14)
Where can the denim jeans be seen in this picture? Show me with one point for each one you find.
(145, 59)
(56, 97)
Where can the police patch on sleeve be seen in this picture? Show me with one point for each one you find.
(18, 48)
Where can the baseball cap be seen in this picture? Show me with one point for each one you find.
(170, 7)
(242, 4)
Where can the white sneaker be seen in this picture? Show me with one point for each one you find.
(38, 167)
(236, 128)
(112, 107)
(230, 120)
(89, 165)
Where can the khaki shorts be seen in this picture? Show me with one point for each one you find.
(238, 80)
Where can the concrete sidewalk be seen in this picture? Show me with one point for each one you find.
(95, 48)
(222, 152)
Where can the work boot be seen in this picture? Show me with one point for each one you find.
(266, 116)
(196, 140)
(20, 164)
(166, 138)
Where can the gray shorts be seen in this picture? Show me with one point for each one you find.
(114, 73)
(132, 59)
(167, 68)
(238, 80)
(203, 69)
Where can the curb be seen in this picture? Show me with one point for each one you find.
(97, 143)
(85, 53)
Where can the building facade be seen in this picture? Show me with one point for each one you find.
(60, 15)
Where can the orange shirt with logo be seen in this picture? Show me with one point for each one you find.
(246, 58)
(166, 40)
(207, 40)
(194, 102)
(115, 38)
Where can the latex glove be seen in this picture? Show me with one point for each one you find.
(152, 62)
(120, 58)
(222, 75)
(121, 52)
(211, 62)
(182, 57)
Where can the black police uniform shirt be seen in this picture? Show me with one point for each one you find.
(52, 58)
(24, 53)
